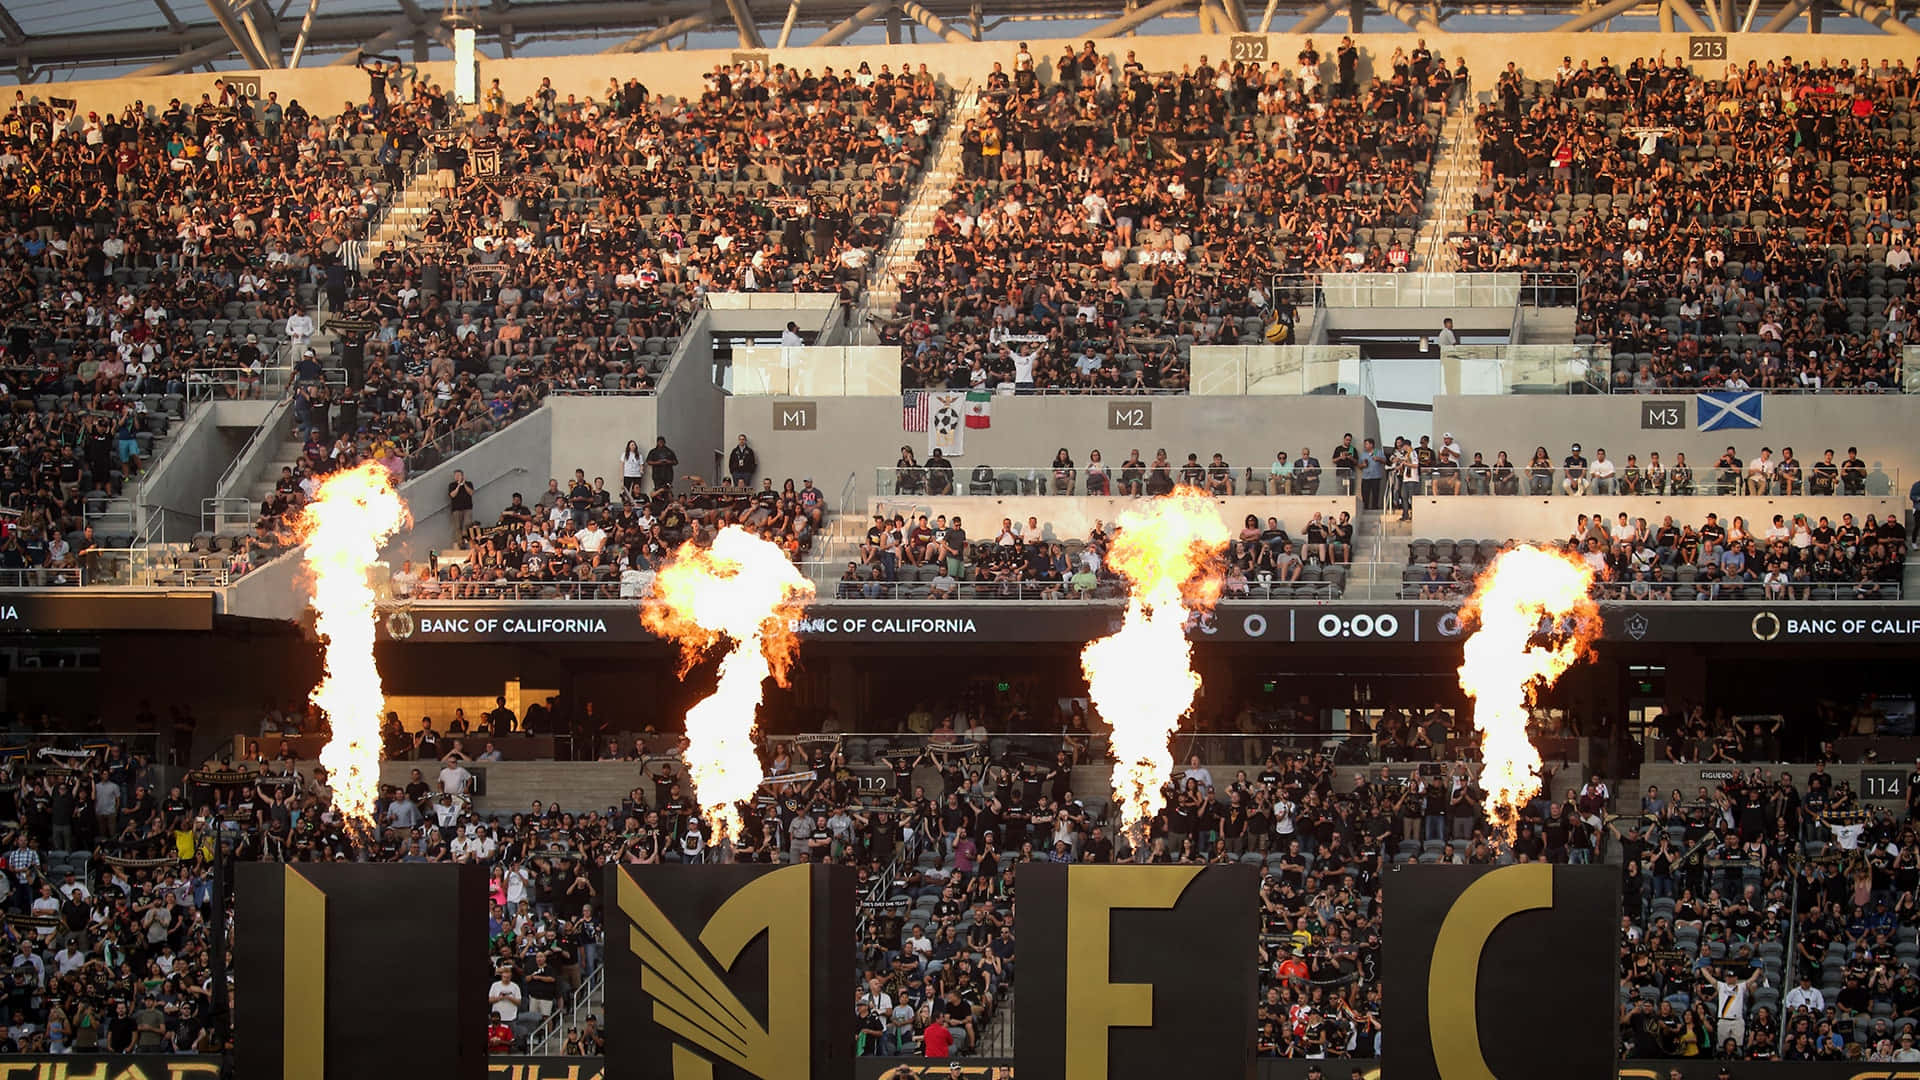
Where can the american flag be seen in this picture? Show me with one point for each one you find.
(913, 410)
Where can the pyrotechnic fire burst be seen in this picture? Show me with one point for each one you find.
(745, 589)
(1507, 661)
(352, 514)
(1141, 678)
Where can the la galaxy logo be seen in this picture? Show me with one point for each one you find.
(726, 973)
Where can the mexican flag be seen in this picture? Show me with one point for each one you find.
(979, 409)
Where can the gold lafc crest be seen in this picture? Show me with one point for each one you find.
(690, 996)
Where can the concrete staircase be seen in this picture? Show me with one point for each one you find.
(1380, 543)
(916, 220)
(1456, 172)
(996, 1039)
(284, 456)
(405, 214)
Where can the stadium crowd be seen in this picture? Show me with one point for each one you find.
(1112, 217)
(1752, 230)
(153, 257)
(583, 540)
(1787, 896)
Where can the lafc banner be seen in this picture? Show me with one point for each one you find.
(1490, 971)
(315, 944)
(729, 972)
(1137, 972)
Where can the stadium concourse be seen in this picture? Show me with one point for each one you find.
(930, 318)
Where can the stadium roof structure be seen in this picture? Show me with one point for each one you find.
(50, 40)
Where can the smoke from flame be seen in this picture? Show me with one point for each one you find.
(1504, 667)
(352, 514)
(1141, 678)
(745, 589)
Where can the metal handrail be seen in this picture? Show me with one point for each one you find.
(602, 391)
(203, 382)
(42, 577)
(227, 476)
(540, 1039)
(217, 512)
(843, 523)
(1012, 480)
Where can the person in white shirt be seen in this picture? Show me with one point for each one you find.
(1805, 996)
(299, 329)
(790, 337)
(1446, 336)
(1197, 771)
(454, 778)
(1602, 472)
(1023, 369)
(1732, 995)
(1760, 472)
(504, 998)
(592, 538)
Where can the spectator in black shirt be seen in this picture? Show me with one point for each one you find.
(660, 463)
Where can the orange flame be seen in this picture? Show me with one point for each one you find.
(352, 514)
(1141, 678)
(745, 589)
(1504, 668)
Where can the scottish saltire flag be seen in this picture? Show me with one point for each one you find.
(1718, 410)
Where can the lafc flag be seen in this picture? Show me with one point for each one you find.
(1137, 972)
(1488, 971)
(729, 972)
(319, 952)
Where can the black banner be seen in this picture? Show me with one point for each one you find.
(105, 1066)
(1137, 972)
(33, 612)
(1341, 623)
(1496, 969)
(972, 1068)
(501, 1067)
(729, 972)
(316, 948)
(1700, 1068)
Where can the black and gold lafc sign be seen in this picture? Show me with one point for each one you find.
(729, 972)
(1137, 972)
(1488, 971)
(360, 969)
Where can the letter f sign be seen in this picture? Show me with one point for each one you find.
(1095, 1003)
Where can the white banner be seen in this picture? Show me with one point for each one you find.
(947, 422)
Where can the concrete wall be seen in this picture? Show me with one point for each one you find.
(260, 453)
(199, 451)
(1500, 517)
(324, 88)
(1071, 519)
(1881, 425)
(505, 462)
(589, 432)
(689, 409)
(859, 436)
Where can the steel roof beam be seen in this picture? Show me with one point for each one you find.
(1878, 17)
(853, 23)
(684, 25)
(10, 28)
(223, 15)
(935, 23)
(217, 49)
(1597, 16)
(1136, 17)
